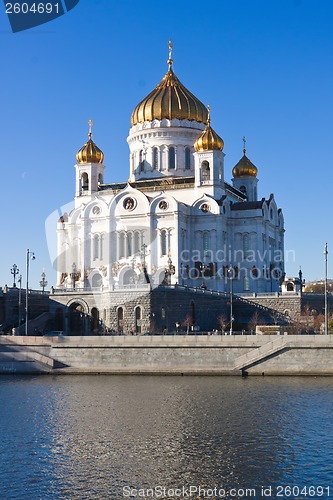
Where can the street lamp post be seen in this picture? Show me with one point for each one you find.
(202, 270)
(19, 303)
(74, 275)
(30, 255)
(14, 271)
(43, 282)
(230, 273)
(326, 305)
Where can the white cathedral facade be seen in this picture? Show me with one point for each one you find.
(176, 220)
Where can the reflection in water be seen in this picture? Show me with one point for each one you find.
(87, 436)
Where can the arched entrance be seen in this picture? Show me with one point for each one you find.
(76, 319)
(120, 320)
(94, 320)
(138, 319)
(59, 320)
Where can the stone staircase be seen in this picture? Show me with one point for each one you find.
(259, 354)
(23, 359)
(245, 309)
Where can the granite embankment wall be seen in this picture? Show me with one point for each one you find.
(199, 355)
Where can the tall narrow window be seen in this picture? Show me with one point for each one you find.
(205, 242)
(141, 161)
(187, 158)
(138, 317)
(136, 242)
(96, 247)
(101, 247)
(163, 242)
(205, 171)
(155, 158)
(85, 181)
(129, 244)
(172, 158)
(246, 284)
(120, 320)
(246, 245)
(121, 245)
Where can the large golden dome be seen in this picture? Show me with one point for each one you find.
(90, 153)
(170, 99)
(244, 168)
(209, 140)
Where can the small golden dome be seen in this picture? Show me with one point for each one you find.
(209, 140)
(244, 168)
(170, 100)
(90, 153)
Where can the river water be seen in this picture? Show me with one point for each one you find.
(115, 437)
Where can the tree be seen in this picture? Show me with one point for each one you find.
(187, 323)
(254, 321)
(330, 324)
(319, 287)
(222, 322)
(275, 315)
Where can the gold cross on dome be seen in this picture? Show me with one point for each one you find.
(208, 117)
(90, 123)
(244, 144)
(170, 49)
(170, 61)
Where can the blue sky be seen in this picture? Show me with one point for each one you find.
(265, 67)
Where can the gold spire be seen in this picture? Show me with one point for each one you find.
(244, 144)
(90, 153)
(208, 139)
(170, 100)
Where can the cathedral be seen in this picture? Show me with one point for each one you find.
(176, 221)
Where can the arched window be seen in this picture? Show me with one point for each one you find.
(120, 320)
(254, 272)
(121, 245)
(172, 158)
(155, 158)
(94, 320)
(205, 171)
(96, 281)
(246, 245)
(163, 242)
(85, 181)
(100, 179)
(96, 247)
(187, 158)
(138, 317)
(246, 284)
(141, 161)
(243, 190)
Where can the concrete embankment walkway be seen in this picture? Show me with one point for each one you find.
(181, 354)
